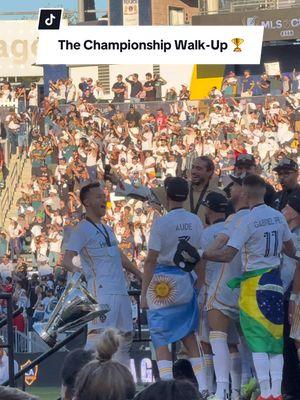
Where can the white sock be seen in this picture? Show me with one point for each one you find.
(235, 374)
(165, 370)
(246, 357)
(262, 367)
(221, 357)
(210, 372)
(199, 371)
(276, 368)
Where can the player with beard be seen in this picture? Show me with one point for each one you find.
(102, 263)
(221, 301)
(202, 183)
(287, 170)
(245, 165)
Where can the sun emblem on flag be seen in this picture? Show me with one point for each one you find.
(162, 290)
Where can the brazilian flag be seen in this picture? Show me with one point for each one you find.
(261, 310)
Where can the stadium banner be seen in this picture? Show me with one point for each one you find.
(283, 24)
(130, 12)
(150, 45)
(18, 48)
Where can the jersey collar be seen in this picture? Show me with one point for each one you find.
(258, 205)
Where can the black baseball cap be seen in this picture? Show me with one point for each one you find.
(244, 159)
(238, 179)
(177, 189)
(294, 201)
(216, 201)
(286, 164)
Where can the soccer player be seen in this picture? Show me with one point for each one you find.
(202, 182)
(289, 267)
(168, 286)
(101, 261)
(222, 302)
(288, 171)
(261, 235)
(215, 209)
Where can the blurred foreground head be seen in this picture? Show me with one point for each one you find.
(102, 378)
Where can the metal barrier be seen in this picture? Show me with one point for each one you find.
(172, 106)
(11, 184)
(10, 337)
(44, 356)
(59, 346)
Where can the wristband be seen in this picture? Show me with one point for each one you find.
(293, 297)
(200, 252)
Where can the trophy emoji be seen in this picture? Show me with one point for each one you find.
(75, 308)
(237, 42)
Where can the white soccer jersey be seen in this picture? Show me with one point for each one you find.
(234, 268)
(260, 235)
(167, 231)
(102, 264)
(288, 265)
(212, 268)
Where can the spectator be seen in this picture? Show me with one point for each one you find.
(102, 378)
(3, 245)
(149, 88)
(171, 94)
(247, 84)
(8, 393)
(119, 89)
(133, 116)
(184, 93)
(169, 390)
(158, 83)
(72, 365)
(136, 87)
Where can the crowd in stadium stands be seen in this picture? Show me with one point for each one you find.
(70, 145)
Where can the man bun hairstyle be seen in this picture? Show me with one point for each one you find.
(108, 345)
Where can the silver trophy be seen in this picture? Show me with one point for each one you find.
(76, 307)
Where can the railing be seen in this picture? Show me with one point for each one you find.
(28, 342)
(11, 183)
(232, 6)
(10, 342)
(172, 106)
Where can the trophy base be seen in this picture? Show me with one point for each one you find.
(48, 339)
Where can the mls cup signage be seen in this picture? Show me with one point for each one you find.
(130, 12)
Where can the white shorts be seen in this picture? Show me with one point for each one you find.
(119, 316)
(295, 327)
(204, 330)
(221, 297)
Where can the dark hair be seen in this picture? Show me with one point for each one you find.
(210, 166)
(169, 390)
(85, 190)
(183, 370)
(254, 181)
(72, 364)
(8, 393)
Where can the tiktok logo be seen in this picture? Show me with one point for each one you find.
(49, 18)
